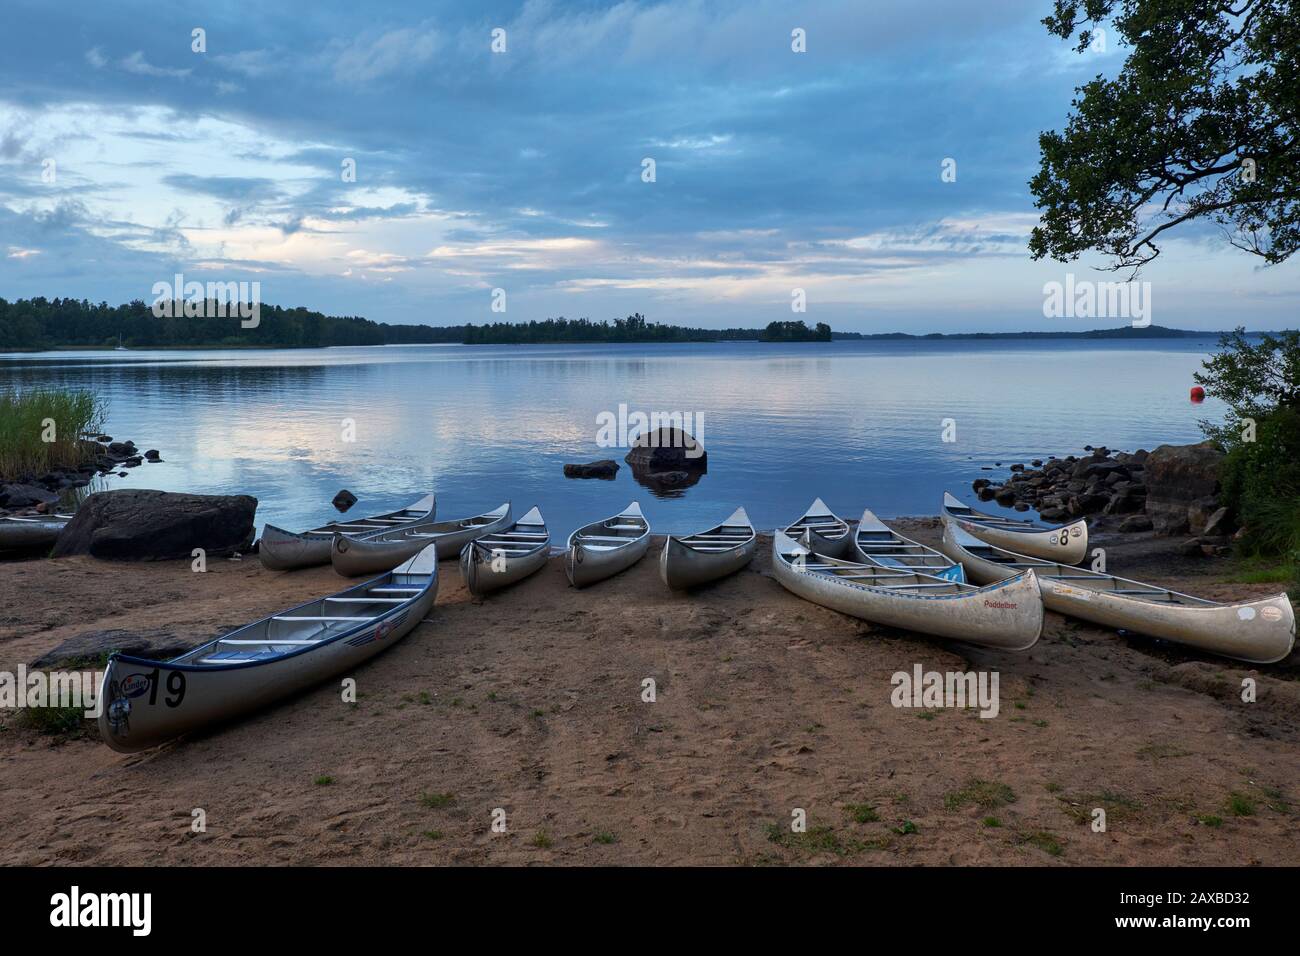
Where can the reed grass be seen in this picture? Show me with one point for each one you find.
(30, 418)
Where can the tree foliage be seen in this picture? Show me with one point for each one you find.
(1200, 124)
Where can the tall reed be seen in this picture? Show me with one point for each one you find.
(42, 428)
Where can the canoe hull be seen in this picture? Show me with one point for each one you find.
(164, 700)
(1007, 615)
(682, 568)
(586, 565)
(22, 533)
(1260, 632)
(353, 557)
(484, 573)
(281, 550)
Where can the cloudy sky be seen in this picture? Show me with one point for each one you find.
(125, 157)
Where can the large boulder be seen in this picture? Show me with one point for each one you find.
(1182, 487)
(667, 449)
(144, 525)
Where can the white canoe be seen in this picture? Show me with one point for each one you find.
(1007, 615)
(876, 543)
(696, 559)
(21, 532)
(1067, 543)
(604, 548)
(145, 702)
(376, 553)
(1261, 632)
(828, 533)
(503, 557)
(282, 550)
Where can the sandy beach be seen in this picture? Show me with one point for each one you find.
(531, 701)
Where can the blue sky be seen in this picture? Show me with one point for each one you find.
(522, 170)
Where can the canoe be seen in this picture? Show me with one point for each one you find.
(696, 559)
(503, 557)
(1007, 615)
(282, 550)
(1260, 632)
(21, 532)
(604, 548)
(876, 543)
(376, 553)
(1067, 543)
(828, 532)
(144, 702)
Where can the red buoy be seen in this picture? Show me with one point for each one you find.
(1198, 394)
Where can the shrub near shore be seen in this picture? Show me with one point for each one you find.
(42, 429)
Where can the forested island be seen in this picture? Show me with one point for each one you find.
(40, 324)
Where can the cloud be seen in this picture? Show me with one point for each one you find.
(395, 51)
(136, 63)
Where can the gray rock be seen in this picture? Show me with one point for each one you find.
(605, 468)
(667, 449)
(1135, 523)
(91, 648)
(25, 496)
(1182, 486)
(146, 525)
(344, 500)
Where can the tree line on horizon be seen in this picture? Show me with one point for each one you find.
(40, 323)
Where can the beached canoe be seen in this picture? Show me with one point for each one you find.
(876, 543)
(282, 550)
(604, 548)
(1007, 615)
(145, 702)
(501, 558)
(1067, 543)
(23, 532)
(1257, 631)
(696, 559)
(376, 553)
(828, 532)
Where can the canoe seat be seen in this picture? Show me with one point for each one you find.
(625, 527)
(324, 617)
(366, 600)
(385, 589)
(265, 643)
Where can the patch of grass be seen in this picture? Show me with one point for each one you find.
(1040, 723)
(1240, 805)
(538, 713)
(818, 839)
(985, 794)
(436, 801)
(1116, 805)
(431, 834)
(926, 715)
(862, 812)
(1052, 787)
(906, 827)
(991, 822)
(1045, 841)
(541, 840)
(30, 416)
(1162, 751)
(604, 838)
(54, 721)
(1209, 820)
(324, 780)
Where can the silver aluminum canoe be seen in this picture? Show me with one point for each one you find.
(503, 557)
(20, 532)
(146, 702)
(827, 532)
(604, 548)
(376, 553)
(1260, 632)
(1007, 615)
(1067, 543)
(692, 560)
(282, 550)
(874, 542)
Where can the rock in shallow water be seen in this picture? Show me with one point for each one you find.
(605, 468)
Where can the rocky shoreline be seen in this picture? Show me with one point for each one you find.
(1172, 490)
(38, 494)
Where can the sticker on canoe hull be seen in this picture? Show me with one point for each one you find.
(1066, 591)
(1246, 613)
(1271, 613)
(135, 685)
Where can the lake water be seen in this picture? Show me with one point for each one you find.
(858, 423)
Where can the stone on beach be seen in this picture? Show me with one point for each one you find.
(147, 525)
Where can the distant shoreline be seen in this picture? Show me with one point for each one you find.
(1151, 333)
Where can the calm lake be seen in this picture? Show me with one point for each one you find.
(858, 423)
